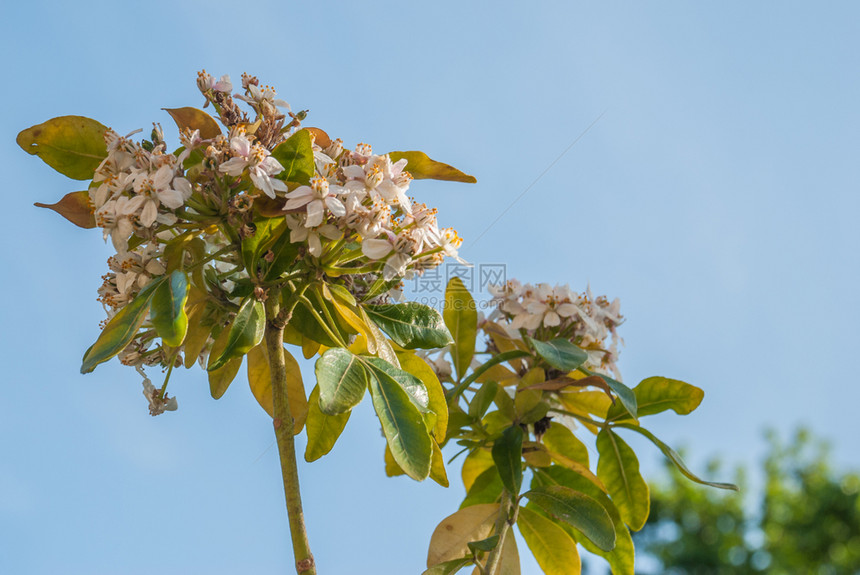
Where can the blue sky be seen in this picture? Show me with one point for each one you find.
(717, 196)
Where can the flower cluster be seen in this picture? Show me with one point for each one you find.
(352, 216)
(557, 311)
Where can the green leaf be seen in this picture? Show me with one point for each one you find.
(285, 254)
(673, 456)
(658, 394)
(75, 207)
(168, 309)
(485, 545)
(268, 230)
(559, 353)
(342, 379)
(624, 393)
(411, 363)
(461, 317)
(508, 455)
(486, 488)
(448, 567)
(578, 510)
(618, 468)
(121, 329)
(72, 145)
(323, 430)
(245, 332)
(620, 559)
(482, 400)
(296, 155)
(411, 325)
(194, 119)
(402, 425)
(554, 550)
(422, 167)
(413, 386)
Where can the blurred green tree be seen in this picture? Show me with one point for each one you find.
(807, 521)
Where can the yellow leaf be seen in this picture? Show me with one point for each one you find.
(553, 548)
(421, 167)
(75, 207)
(220, 379)
(437, 467)
(392, 469)
(72, 145)
(200, 325)
(475, 464)
(260, 380)
(461, 318)
(194, 119)
(309, 347)
(323, 430)
(451, 537)
(561, 440)
(618, 468)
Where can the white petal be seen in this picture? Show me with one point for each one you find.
(170, 198)
(335, 206)
(314, 245)
(149, 213)
(376, 249)
(315, 214)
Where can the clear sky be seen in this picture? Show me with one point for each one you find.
(717, 196)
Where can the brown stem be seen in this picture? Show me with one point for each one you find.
(284, 434)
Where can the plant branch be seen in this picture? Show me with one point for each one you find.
(503, 525)
(283, 423)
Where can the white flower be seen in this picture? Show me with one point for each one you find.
(157, 404)
(300, 233)
(261, 165)
(316, 197)
(152, 189)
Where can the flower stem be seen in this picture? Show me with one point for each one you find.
(284, 432)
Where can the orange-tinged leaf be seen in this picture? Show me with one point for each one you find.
(75, 207)
(421, 166)
(451, 537)
(194, 119)
(72, 145)
(321, 139)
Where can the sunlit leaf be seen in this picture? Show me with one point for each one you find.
(620, 559)
(121, 329)
(221, 378)
(296, 155)
(194, 119)
(403, 425)
(72, 145)
(321, 138)
(673, 456)
(577, 509)
(554, 550)
(75, 207)
(422, 167)
(323, 430)
(658, 394)
(201, 320)
(438, 473)
(507, 455)
(411, 325)
(451, 537)
(342, 379)
(474, 465)
(267, 232)
(618, 468)
(416, 366)
(487, 488)
(624, 393)
(260, 380)
(461, 317)
(167, 311)
(559, 439)
(245, 332)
